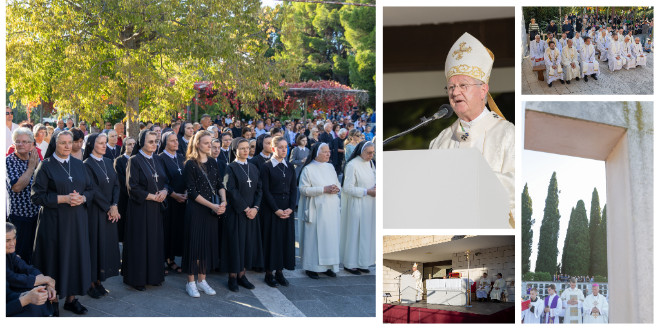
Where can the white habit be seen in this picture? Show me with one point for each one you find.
(420, 286)
(599, 302)
(494, 137)
(614, 51)
(553, 58)
(358, 215)
(570, 56)
(588, 61)
(638, 52)
(498, 287)
(572, 313)
(321, 217)
(483, 286)
(536, 51)
(530, 316)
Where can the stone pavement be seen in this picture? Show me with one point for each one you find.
(638, 81)
(346, 295)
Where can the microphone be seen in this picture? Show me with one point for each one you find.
(445, 111)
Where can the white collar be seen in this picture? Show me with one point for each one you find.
(223, 149)
(184, 139)
(275, 162)
(60, 159)
(113, 148)
(145, 155)
(240, 162)
(97, 158)
(169, 154)
(302, 148)
(264, 156)
(127, 156)
(475, 120)
(314, 161)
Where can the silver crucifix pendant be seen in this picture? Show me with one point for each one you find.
(107, 179)
(179, 171)
(70, 178)
(249, 183)
(156, 177)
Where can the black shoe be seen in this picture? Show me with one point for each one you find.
(139, 287)
(577, 78)
(93, 293)
(232, 284)
(550, 85)
(330, 273)
(101, 290)
(353, 271)
(75, 307)
(270, 280)
(585, 79)
(562, 82)
(567, 81)
(364, 270)
(243, 281)
(311, 274)
(594, 76)
(281, 280)
(56, 308)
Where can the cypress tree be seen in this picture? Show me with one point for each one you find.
(575, 258)
(527, 233)
(594, 236)
(601, 255)
(546, 260)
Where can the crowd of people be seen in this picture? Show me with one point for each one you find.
(571, 306)
(585, 42)
(222, 194)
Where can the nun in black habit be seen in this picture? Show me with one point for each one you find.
(148, 187)
(103, 214)
(181, 136)
(63, 189)
(241, 234)
(172, 162)
(120, 168)
(260, 157)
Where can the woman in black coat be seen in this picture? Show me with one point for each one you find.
(120, 165)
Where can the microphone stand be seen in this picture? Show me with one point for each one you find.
(425, 121)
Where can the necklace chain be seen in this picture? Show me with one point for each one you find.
(104, 169)
(67, 172)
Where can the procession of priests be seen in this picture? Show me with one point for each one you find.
(571, 306)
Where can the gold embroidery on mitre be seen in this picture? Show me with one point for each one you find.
(461, 49)
(464, 69)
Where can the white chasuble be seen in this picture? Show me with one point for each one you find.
(483, 286)
(536, 51)
(553, 58)
(419, 285)
(570, 56)
(572, 302)
(638, 52)
(591, 315)
(498, 287)
(589, 62)
(533, 316)
(627, 53)
(358, 215)
(320, 218)
(602, 48)
(615, 59)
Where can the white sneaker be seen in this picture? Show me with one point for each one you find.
(203, 286)
(191, 288)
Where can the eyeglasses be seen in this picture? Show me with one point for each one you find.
(22, 142)
(9, 113)
(461, 87)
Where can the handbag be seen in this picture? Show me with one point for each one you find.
(215, 199)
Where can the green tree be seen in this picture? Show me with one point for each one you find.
(546, 260)
(359, 23)
(527, 233)
(575, 257)
(140, 55)
(594, 228)
(601, 256)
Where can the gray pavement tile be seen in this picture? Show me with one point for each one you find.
(347, 308)
(314, 308)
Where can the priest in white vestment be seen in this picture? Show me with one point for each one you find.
(627, 53)
(595, 308)
(553, 69)
(419, 285)
(615, 59)
(572, 299)
(552, 38)
(552, 306)
(562, 42)
(578, 43)
(358, 210)
(536, 51)
(570, 62)
(483, 286)
(499, 287)
(602, 46)
(589, 63)
(638, 52)
(468, 73)
(532, 315)
(319, 214)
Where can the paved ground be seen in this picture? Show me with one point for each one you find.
(638, 81)
(347, 295)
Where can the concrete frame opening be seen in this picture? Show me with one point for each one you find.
(621, 134)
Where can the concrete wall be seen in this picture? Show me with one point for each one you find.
(395, 243)
(392, 269)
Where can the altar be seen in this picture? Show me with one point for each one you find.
(452, 291)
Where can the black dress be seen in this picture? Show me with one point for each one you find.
(224, 159)
(112, 153)
(103, 240)
(201, 226)
(173, 222)
(61, 246)
(259, 161)
(241, 237)
(120, 168)
(143, 253)
(183, 145)
(279, 235)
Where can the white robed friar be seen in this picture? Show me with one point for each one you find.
(601, 43)
(498, 287)
(599, 302)
(613, 51)
(588, 61)
(419, 286)
(572, 313)
(533, 317)
(536, 51)
(494, 137)
(638, 51)
(627, 53)
(483, 286)
(358, 215)
(578, 44)
(553, 57)
(320, 218)
(570, 56)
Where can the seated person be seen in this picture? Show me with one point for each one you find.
(22, 277)
(30, 303)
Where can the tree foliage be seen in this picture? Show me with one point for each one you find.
(527, 233)
(546, 260)
(600, 264)
(575, 257)
(594, 228)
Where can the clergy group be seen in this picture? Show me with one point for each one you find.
(223, 203)
(571, 306)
